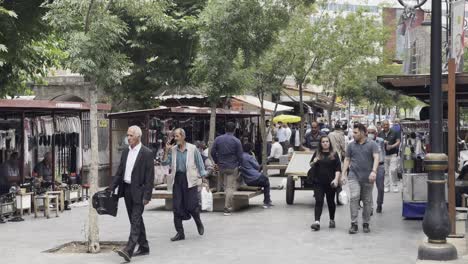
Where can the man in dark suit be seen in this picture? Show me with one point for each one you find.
(135, 180)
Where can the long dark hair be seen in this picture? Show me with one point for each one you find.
(320, 153)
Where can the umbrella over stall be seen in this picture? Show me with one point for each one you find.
(287, 119)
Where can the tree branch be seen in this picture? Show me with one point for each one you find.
(88, 17)
(109, 4)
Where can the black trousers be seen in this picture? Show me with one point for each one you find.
(186, 202)
(137, 226)
(320, 191)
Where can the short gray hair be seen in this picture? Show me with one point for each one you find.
(181, 131)
(137, 130)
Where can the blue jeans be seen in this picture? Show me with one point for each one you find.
(264, 182)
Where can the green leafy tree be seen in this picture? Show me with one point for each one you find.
(27, 50)
(161, 53)
(233, 35)
(356, 46)
(93, 36)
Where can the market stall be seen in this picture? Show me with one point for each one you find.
(455, 103)
(414, 146)
(157, 123)
(41, 149)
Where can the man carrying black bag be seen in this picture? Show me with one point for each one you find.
(135, 179)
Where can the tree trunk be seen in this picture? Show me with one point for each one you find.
(375, 111)
(301, 111)
(349, 111)
(263, 134)
(380, 113)
(405, 113)
(93, 232)
(212, 133)
(330, 110)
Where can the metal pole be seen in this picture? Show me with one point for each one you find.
(436, 221)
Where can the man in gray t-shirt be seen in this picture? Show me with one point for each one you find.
(362, 160)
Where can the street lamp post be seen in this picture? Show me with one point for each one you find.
(436, 224)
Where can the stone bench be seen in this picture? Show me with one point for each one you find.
(240, 200)
(280, 167)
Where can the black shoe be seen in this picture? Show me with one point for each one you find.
(124, 254)
(365, 228)
(178, 237)
(201, 229)
(142, 251)
(354, 229)
(315, 226)
(379, 209)
(332, 224)
(372, 212)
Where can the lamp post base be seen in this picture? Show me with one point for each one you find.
(437, 252)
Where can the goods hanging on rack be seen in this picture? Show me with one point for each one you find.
(414, 147)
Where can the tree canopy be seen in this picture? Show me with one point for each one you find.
(27, 47)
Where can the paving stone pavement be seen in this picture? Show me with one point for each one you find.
(255, 235)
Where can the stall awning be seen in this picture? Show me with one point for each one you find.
(268, 105)
(182, 111)
(419, 85)
(37, 105)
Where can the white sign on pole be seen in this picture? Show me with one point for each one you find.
(457, 38)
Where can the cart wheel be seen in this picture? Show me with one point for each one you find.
(290, 190)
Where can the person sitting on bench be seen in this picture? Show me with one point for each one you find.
(250, 172)
(276, 151)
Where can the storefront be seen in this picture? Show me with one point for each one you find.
(157, 123)
(416, 139)
(30, 129)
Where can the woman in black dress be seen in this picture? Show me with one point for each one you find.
(327, 174)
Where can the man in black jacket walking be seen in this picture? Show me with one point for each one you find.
(135, 179)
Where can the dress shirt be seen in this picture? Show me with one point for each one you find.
(131, 159)
(269, 137)
(282, 135)
(276, 150)
(288, 134)
(297, 139)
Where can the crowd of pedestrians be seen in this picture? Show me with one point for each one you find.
(358, 157)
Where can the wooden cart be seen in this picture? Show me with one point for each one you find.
(296, 173)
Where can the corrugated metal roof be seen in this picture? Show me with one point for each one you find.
(182, 111)
(45, 104)
(268, 105)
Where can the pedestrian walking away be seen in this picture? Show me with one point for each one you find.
(362, 160)
(227, 155)
(187, 170)
(326, 166)
(392, 143)
(250, 172)
(135, 179)
(372, 135)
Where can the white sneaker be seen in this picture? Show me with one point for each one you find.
(386, 190)
(395, 189)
